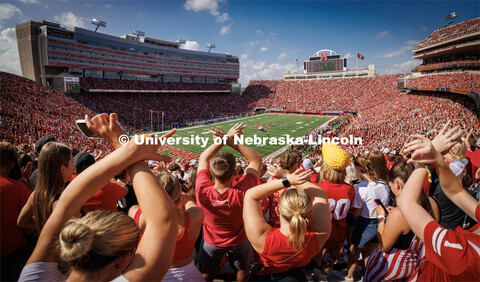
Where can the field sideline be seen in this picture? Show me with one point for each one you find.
(292, 125)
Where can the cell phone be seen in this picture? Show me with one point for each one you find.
(354, 182)
(380, 204)
(82, 125)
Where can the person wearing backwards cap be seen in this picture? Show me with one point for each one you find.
(340, 198)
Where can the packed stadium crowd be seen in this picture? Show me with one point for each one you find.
(30, 111)
(91, 83)
(137, 215)
(447, 33)
(455, 64)
(452, 80)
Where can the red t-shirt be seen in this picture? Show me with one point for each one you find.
(340, 199)
(389, 164)
(278, 256)
(106, 198)
(452, 255)
(274, 218)
(13, 196)
(223, 223)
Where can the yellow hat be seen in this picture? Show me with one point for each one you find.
(335, 157)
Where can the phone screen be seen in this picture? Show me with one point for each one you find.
(82, 125)
(379, 203)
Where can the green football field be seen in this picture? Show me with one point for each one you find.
(291, 124)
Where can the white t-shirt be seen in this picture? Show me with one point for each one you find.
(366, 193)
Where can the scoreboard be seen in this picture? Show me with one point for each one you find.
(71, 85)
(326, 65)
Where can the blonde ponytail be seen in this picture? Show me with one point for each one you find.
(295, 206)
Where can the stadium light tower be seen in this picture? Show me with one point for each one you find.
(449, 18)
(98, 23)
(210, 47)
(181, 42)
(138, 33)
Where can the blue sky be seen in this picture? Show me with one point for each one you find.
(267, 36)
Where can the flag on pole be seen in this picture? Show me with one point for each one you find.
(360, 56)
(296, 60)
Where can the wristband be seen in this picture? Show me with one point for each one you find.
(380, 217)
(285, 182)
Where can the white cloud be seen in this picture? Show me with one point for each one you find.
(424, 29)
(272, 33)
(259, 31)
(263, 49)
(258, 69)
(258, 65)
(9, 59)
(223, 17)
(408, 46)
(68, 19)
(412, 42)
(8, 11)
(402, 67)
(348, 56)
(191, 45)
(30, 1)
(108, 6)
(208, 5)
(282, 56)
(384, 34)
(244, 57)
(225, 29)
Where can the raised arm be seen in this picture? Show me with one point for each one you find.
(155, 251)
(425, 152)
(414, 214)
(253, 157)
(255, 225)
(82, 188)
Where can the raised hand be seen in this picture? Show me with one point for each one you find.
(299, 177)
(150, 152)
(236, 130)
(217, 132)
(106, 126)
(423, 151)
(276, 172)
(445, 140)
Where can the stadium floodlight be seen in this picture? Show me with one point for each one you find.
(138, 33)
(210, 46)
(449, 18)
(181, 42)
(98, 23)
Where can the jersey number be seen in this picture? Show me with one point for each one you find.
(339, 209)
